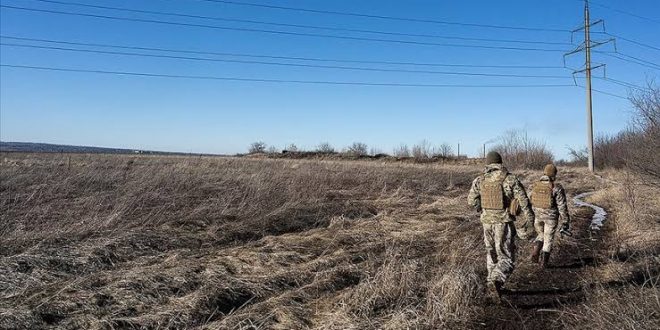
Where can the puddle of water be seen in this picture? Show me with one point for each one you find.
(599, 213)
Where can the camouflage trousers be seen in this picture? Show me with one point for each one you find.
(545, 232)
(500, 250)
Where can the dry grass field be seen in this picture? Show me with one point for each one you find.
(148, 242)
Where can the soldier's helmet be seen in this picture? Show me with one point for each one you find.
(493, 158)
(550, 170)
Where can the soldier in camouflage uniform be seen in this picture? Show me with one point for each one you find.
(550, 205)
(492, 194)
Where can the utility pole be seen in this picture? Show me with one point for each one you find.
(587, 52)
(587, 45)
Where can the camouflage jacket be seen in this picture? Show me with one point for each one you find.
(559, 207)
(512, 189)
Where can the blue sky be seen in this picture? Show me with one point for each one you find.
(218, 116)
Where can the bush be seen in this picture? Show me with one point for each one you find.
(257, 147)
(643, 145)
(445, 150)
(325, 147)
(422, 150)
(401, 151)
(357, 149)
(292, 148)
(518, 150)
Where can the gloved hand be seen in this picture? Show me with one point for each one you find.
(566, 229)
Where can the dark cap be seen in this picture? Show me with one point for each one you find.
(493, 158)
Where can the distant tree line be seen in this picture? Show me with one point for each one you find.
(421, 151)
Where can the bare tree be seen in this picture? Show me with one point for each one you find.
(644, 144)
(402, 151)
(375, 151)
(325, 147)
(257, 147)
(422, 150)
(271, 150)
(519, 150)
(445, 150)
(579, 157)
(357, 149)
(291, 148)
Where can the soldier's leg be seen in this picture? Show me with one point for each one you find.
(538, 227)
(505, 246)
(549, 230)
(538, 241)
(491, 256)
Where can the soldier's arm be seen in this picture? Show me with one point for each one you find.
(562, 205)
(474, 196)
(520, 194)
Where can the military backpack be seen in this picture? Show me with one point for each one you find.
(492, 193)
(542, 194)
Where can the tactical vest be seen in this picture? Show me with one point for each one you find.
(492, 194)
(542, 194)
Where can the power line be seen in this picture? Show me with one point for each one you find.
(131, 10)
(622, 83)
(315, 59)
(632, 58)
(606, 93)
(408, 19)
(276, 31)
(623, 12)
(318, 82)
(479, 74)
(633, 41)
(615, 55)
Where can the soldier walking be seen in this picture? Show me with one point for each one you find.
(492, 194)
(550, 205)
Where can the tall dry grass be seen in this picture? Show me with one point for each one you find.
(94, 241)
(627, 293)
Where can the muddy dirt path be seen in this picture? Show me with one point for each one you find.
(533, 295)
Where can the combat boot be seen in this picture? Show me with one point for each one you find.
(536, 251)
(545, 257)
(495, 288)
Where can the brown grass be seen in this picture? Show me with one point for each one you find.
(627, 290)
(111, 242)
(175, 242)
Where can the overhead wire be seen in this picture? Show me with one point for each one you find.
(351, 83)
(399, 41)
(314, 59)
(618, 36)
(216, 18)
(385, 17)
(481, 74)
(623, 11)
(629, 58)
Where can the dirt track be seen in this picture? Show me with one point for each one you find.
(534, 298)
(532, 294)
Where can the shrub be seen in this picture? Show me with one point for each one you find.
(357, 149)
(518, 150)
(401, 151)
(325, 147)
(444, 150)
(422, 150)
(257, 147)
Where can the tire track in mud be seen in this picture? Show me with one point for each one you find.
(533, 296)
